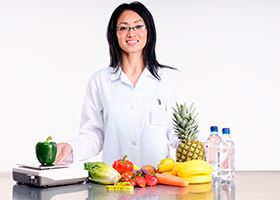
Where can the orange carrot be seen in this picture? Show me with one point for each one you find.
(169, 179)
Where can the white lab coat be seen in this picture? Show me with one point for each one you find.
(120, 119)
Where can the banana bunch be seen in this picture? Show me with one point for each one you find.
(194, 171)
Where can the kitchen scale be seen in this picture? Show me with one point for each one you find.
(46, 176)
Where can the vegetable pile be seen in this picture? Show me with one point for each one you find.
(124, 175)
(136, 177)
(122, 171)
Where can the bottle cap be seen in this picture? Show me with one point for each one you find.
(214, 128)
(226, 131)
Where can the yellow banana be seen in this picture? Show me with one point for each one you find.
(194, 170)
(177, 167)
(192, 163)
(165, 167)
(194, 167)
(199, 179)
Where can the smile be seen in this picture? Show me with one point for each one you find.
(132, 41)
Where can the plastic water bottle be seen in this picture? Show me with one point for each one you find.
(228, 190)
(216, 187)
(226, 156)
(212, 150)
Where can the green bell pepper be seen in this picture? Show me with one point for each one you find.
(46, 151)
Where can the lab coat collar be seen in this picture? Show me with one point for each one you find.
(119, 74)
(115, 75)
(147, 73)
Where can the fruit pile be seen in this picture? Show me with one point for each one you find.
(135, 176)
(124, 175)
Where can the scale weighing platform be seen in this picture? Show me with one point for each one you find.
(46, 176)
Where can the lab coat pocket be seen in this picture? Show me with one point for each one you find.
(158, 117)
(158, 121)
(158, 114)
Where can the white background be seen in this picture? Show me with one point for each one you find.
(228, 52)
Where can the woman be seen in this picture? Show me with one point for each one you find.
(127, 109)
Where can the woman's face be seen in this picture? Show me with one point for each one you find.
(131, 32)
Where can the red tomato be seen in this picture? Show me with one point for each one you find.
(140, 181)
(148, 169)
(132, 182)
(123, 165)
(127, 176)
(151, 180)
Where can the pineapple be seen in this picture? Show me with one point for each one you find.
(186, 128)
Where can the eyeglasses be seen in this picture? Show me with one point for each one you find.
(125, 29)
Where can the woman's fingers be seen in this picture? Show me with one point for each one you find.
(63, 151)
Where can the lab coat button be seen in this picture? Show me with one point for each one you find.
(134, 143)
(132, 107)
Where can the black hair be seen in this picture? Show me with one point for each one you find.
(149, 53)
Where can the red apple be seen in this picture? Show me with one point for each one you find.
(148, 169)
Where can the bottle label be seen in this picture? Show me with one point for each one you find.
(212, 149)
(226, 157)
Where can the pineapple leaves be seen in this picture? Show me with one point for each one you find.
(185, 122)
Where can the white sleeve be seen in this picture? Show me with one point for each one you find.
(89, 142)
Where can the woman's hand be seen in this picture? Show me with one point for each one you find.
(63, 151)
